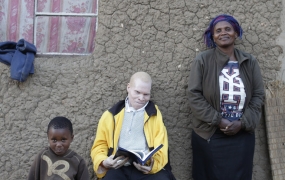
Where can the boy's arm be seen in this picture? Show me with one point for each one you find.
(82, 173)
(34, 173)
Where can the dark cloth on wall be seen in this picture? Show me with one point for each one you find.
(20, 57)
(223, 157)
(49, 166)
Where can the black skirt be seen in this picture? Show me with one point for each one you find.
(223, 157)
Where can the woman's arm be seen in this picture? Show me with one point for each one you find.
(252, 112)
(200, 107)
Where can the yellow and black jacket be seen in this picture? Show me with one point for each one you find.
(108, 132)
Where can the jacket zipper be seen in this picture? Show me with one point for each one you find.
(114, 133)
(144, 131)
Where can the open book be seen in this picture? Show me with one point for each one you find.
(137, 155)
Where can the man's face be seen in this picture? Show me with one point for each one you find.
(59, 140)
(138, 93)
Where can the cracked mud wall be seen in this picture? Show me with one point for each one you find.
(161, 37)
(281, 41)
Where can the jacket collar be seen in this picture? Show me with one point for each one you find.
(223, 58)
(149, 109)
(240, 56)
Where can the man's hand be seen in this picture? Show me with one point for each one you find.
(116, 163)
(144, 169)
(232, 128)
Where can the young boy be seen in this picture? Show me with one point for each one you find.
(58, 161)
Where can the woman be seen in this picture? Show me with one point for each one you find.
(226, 93)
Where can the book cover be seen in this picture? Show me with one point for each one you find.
(136, 155)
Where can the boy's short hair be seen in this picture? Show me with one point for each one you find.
(60, 123)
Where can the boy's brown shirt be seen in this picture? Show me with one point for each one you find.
(47, 165)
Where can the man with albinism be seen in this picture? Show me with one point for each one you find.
(134, 123)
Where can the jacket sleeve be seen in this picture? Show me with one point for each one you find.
(252, 112)
(99, 149)
(159, 135)
(200, 107)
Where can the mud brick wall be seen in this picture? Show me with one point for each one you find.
(275, 123)
(161, 37)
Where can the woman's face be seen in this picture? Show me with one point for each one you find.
(224, 34)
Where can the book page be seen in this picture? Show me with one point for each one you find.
(141, 157)
(152, 152)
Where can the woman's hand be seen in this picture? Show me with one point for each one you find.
(232, 128)
(224, 123)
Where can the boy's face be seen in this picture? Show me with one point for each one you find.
(59, 140)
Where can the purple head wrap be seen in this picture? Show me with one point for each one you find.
(208, 35)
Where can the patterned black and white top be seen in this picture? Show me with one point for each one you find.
(232, 92)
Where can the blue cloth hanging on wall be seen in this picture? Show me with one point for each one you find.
(20, 57)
